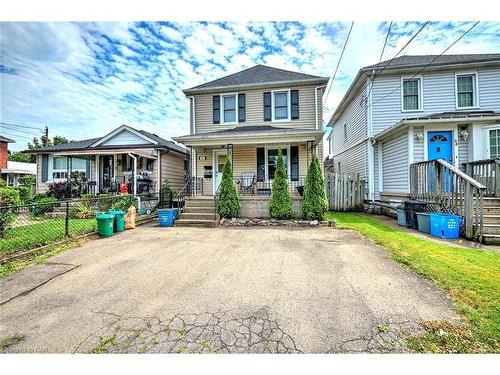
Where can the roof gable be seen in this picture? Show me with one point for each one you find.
(257, 75)
(124, 136)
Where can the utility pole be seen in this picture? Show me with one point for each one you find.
(46, 140)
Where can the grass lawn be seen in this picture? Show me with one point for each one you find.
(471, 277)
(42, 233)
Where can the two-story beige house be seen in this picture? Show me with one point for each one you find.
(247, 115)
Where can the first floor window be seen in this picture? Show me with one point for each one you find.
(494, 143)
(60, 166)
(466, 87)
(411, 94)
(281, 105)
(229, 105)
(272, 160)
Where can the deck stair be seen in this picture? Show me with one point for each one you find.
(199, 211)
(491, 220)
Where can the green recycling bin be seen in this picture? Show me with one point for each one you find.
(105, 223)
(119, 220)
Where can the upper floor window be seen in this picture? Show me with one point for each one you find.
(229, 108)
(412, 94)
(281, 105)
(466, 90)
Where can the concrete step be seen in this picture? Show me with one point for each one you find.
(197, 215)
(491, 228)
(196, 223)
(491, 239)
(201, 209)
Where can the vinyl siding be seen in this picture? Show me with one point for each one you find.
(438, 96)
(255, 110)
(172, 167)
(353, 160)
(418, 147)
(125, 137)
(395, 163)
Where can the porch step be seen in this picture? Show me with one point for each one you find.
(196, 223)
(491, 228)
(200, 209)
(197, 215)
(491, 239)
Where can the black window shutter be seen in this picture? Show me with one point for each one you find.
(241, 107)
(45, 167)
(294, 163)
(216, 109)
(267, 106)
(261, 161)
(294, 94)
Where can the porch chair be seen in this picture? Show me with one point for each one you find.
(247, 183)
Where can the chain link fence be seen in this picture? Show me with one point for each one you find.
(47, 221)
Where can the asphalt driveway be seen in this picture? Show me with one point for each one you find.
(218, 290)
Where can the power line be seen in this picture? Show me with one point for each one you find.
(21, 126)
(23, 137)
(340, 59)
(406, 45)
(388, 62)
(429, 64)
(380, 58)
(29, 132)
(22, 132)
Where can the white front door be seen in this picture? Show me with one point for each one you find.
(219, 160)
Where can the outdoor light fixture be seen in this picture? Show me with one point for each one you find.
(419, 136)
(464, 134)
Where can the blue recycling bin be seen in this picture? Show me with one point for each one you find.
(445, 225)
(166, 216)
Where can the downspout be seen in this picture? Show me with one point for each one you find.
(158, 165)
(193, 113)
(371, 158)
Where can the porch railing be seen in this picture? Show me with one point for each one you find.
(437, 181)
(487, 172)
(193, 186)
(251, 186)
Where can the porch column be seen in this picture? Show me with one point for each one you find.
(69, 162)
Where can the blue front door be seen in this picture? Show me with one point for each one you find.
(440, 146)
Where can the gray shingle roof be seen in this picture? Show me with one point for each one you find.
(258, 74)
(5, 139)
(410, 61)
(85, 144)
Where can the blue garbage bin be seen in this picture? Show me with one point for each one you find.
(166, 216)
(445, 225)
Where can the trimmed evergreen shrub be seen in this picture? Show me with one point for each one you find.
(280, 206)
(314, 203)
(228, 204)
(8, 197)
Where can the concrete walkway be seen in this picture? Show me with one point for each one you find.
(219, 290)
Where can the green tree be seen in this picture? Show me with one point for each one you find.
(280, 206)
(228, 204)
(19, 156)
(314, 203)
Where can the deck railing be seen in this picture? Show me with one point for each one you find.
(437, 181)
(487, 172)
(250, 185)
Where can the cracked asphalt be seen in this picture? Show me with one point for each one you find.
(219, 290)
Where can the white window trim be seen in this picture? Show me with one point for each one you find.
(486, 137)
(288, 165)
(420, 80)
(51, 169)
(289, 105)
(475, 88)
(236, 109)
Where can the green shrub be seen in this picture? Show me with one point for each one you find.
(3, 183)
(280, 206)
(124, 202)
(39, 196)
(81, 211)
(228, 204)
(166, 188)
(43, 205)
(8, 197)
(314, 203)
(24, 194)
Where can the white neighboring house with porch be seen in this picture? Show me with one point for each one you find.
(139, 158)
(406, 111)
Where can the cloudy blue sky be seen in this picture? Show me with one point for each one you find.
(84, 79)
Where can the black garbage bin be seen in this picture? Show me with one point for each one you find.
(411, 209)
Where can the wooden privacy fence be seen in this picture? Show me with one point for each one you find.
(345, 192)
